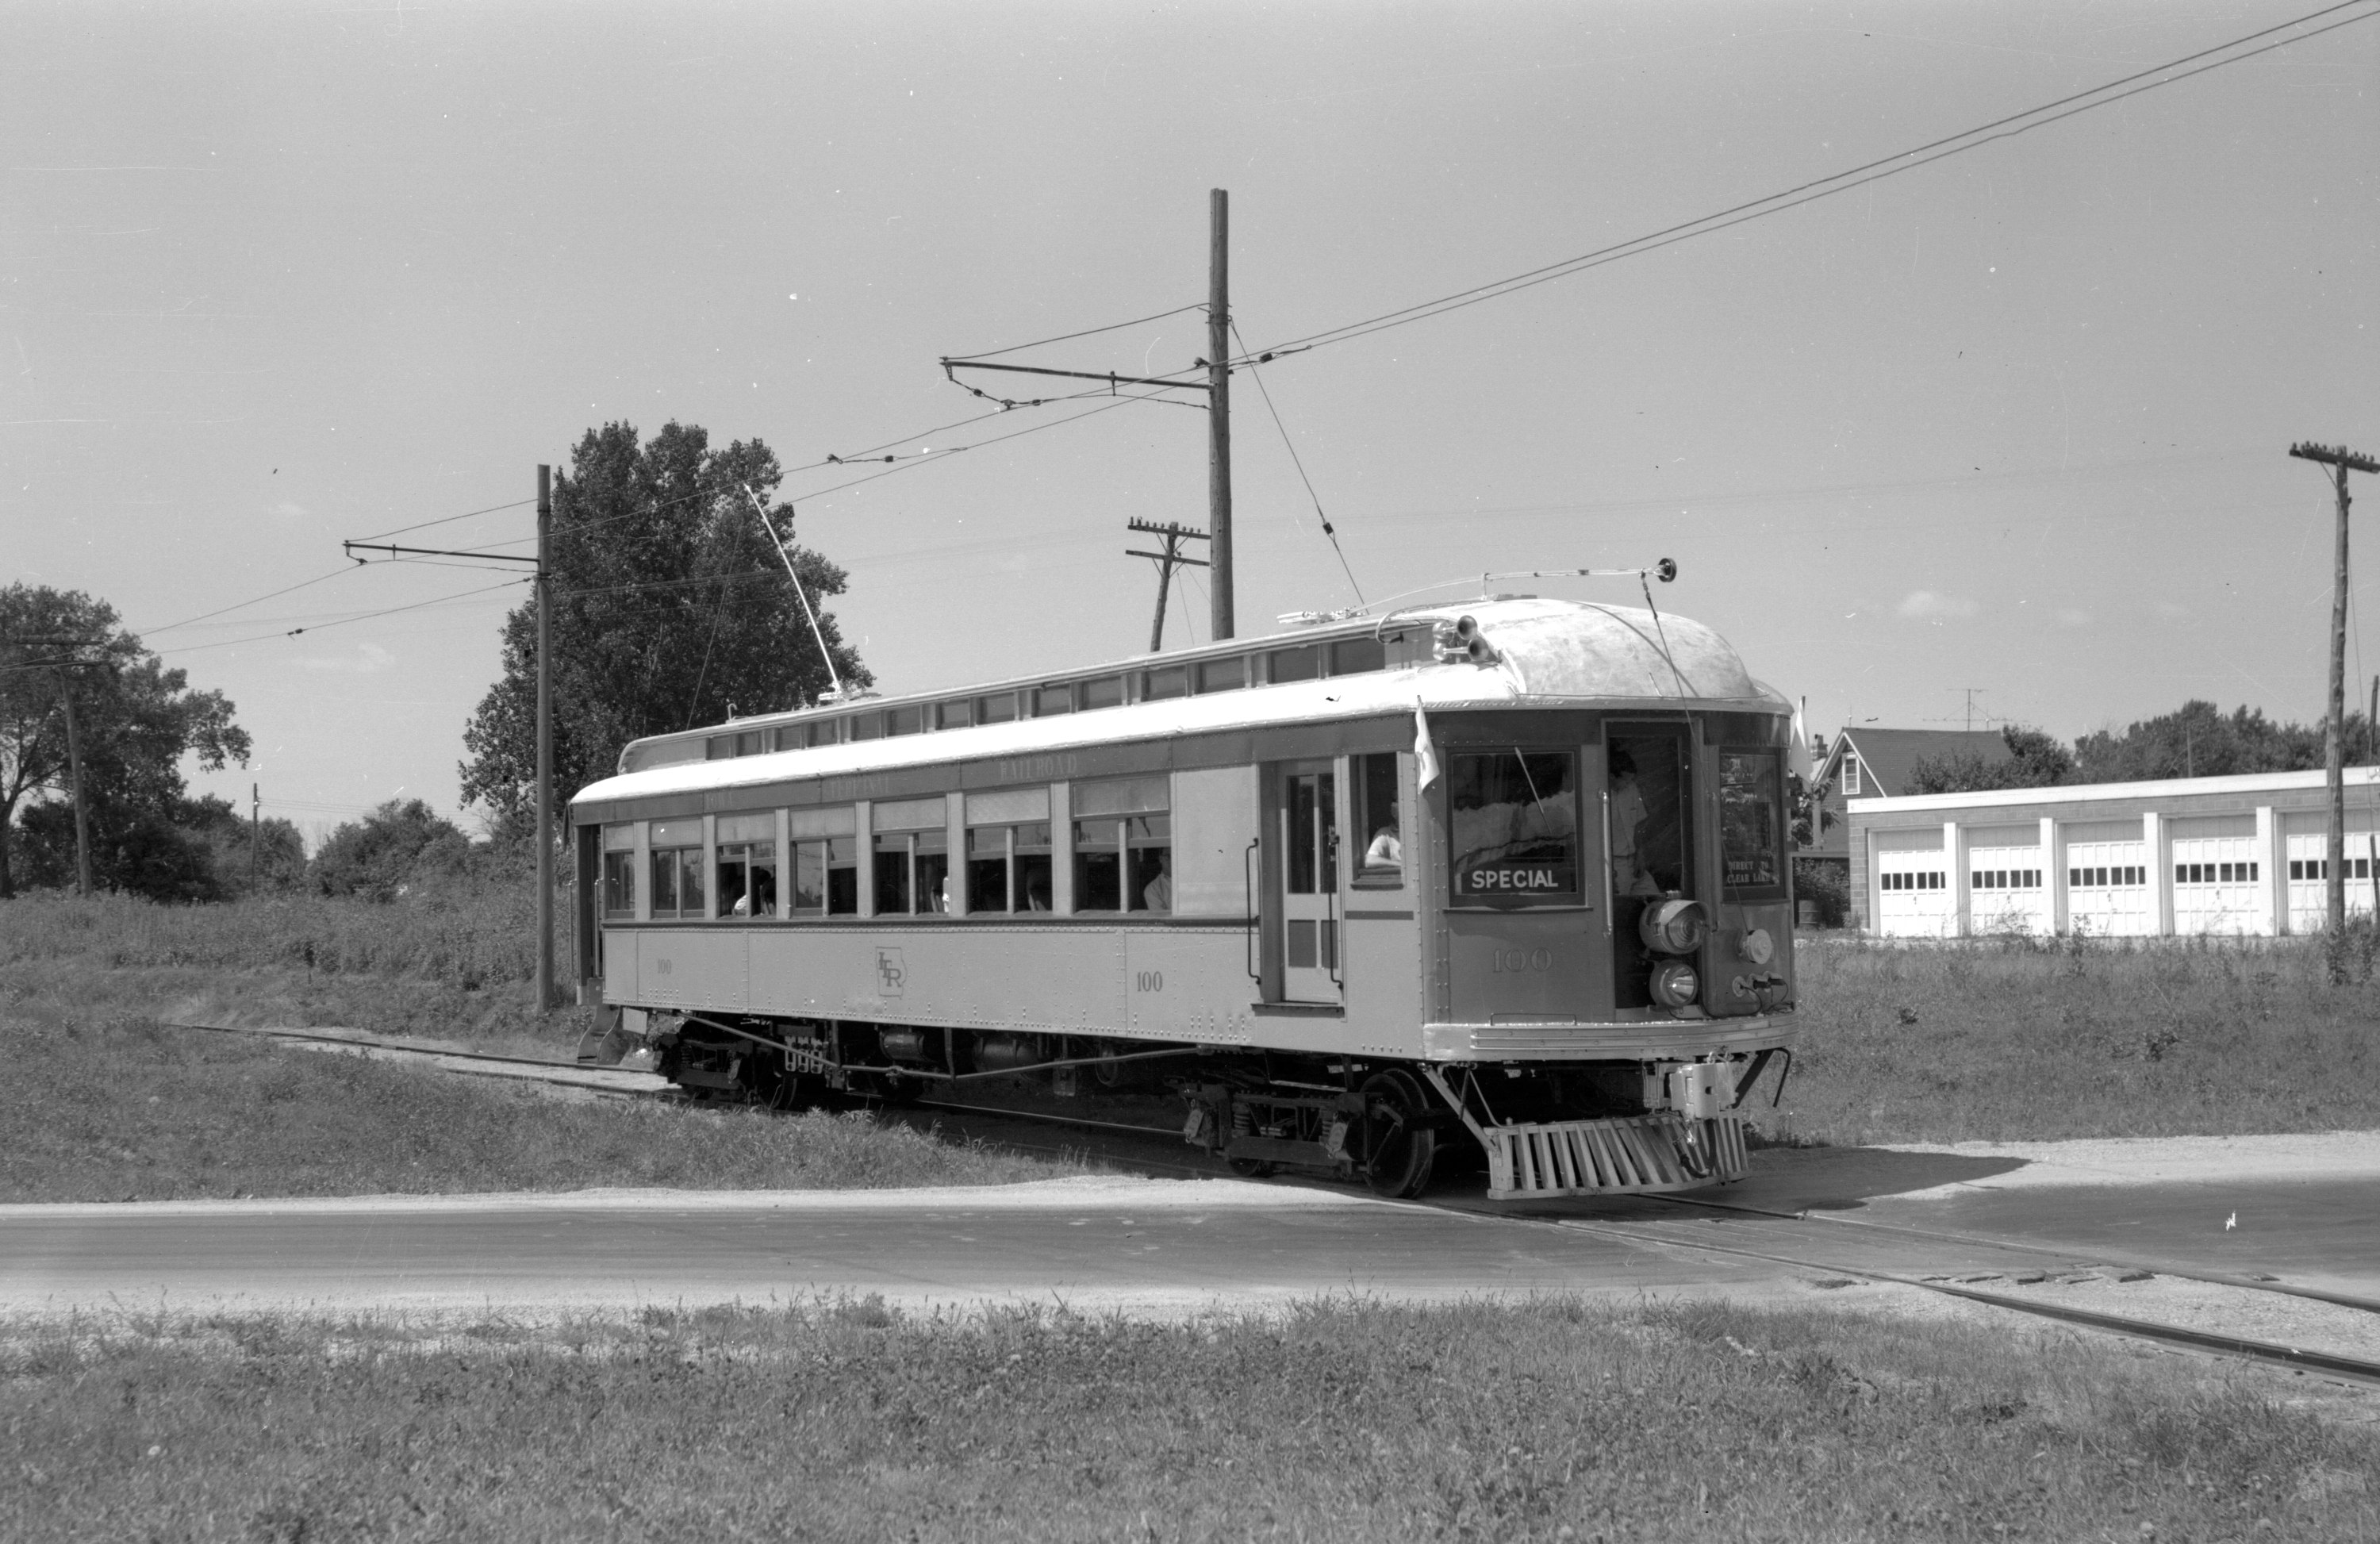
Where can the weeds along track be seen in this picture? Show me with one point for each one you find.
(1813, 1241)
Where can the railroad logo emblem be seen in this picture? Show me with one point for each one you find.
(889, 972)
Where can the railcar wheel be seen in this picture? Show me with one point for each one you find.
(1398, 1150)
(1252, 1168)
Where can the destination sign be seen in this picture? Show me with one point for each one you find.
(1525, 877)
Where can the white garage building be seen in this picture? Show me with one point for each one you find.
(2201, 855)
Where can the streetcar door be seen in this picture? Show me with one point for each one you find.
(1307, 830)
(1648, 809)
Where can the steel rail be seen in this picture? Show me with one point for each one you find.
(2182, 1272)
(2354, 1367)
(403, 1050)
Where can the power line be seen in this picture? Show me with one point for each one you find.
(1087, 332)
(360, 616)
(1838, 182)
(445, 521)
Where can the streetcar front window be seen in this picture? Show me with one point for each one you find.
(1751, 821)
(1515, 828)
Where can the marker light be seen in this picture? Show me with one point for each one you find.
(1756, 946)
(1675, 984)
(1672, 927)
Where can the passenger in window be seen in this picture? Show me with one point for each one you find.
(1385, 851)
(1158, 893)
(1627, 820)
(1036, 892)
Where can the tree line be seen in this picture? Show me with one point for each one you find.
(670, 607)
(2196, 740)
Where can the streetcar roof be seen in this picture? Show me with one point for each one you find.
(1563, 653)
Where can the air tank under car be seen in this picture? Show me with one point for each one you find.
(1502, 885)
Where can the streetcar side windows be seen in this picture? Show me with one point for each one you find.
(677, 867)
(620, 870)
(1008, 850)
(1515, 828)
(825, 862)
(1124, 846)
(747, 866)
(1163, 684)
(1377, 826)
(1223, 674)
(913, 857)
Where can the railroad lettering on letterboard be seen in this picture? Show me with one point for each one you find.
(889, 972)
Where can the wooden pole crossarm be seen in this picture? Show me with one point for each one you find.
(1111, 379)
(2336, 456)
(1169, 557)
(432, 551)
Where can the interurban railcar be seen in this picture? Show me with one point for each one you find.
(1514, 874)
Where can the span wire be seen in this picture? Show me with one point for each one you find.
(1087, 332)
(360, 616)
(1299, 462)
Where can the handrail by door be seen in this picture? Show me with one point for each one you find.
(1607, 901)
(1248, 894)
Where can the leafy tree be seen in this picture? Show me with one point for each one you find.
(670, 608)
(2199, 741)
(135, 718)
(397, 845)
(2036, 760)
(279, 860)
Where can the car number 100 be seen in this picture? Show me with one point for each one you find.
(1149, 980)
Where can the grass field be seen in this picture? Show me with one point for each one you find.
(2008, 1040)
(117, 1109)
(453, 963)
(1547, 1421)
(1997, 1039)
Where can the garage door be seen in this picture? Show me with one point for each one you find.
(2218, 876)
(2006, 888)
(1914, 898)
(2309, 837)
(2107, 876)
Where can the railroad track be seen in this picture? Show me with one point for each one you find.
(989, 1124)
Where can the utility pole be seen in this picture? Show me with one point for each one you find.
(82, 817)
(544, 740)
(1218, 407)
(255, 831)
(1218, 387)
(1172, 557)
(2341, 461)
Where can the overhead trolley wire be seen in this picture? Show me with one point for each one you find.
(1839, 182)
(445, 519)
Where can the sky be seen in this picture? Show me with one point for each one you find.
(1998, 439)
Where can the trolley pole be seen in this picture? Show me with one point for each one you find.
(1219, 408)
(2341, 461)
(544, 741)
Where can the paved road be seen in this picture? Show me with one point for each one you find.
(1150, 1242)
(1131, 1242)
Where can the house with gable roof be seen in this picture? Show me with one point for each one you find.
(1871, 763)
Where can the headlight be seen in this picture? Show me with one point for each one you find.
(1672, 927)
(1675, 984)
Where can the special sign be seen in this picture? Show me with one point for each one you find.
(1516, 878)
